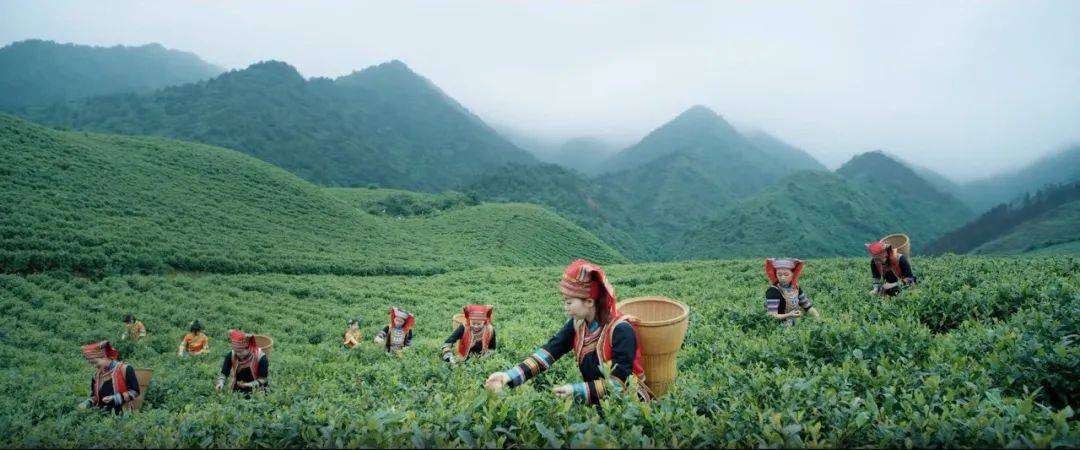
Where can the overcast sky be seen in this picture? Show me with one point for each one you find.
(965, 88)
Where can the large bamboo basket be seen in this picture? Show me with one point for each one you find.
(266, 343)
(661, 325)
(459, 320)
(144, 376)
(901, 242)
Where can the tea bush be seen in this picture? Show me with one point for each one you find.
(981, 354)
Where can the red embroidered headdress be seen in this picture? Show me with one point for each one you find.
(240, 340)
(101, 349)
(583, 279)
(475, 312)
(794, 265)
(409, 319)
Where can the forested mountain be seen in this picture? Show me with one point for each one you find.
(689, 189)
(1054, 231)
(689, 168)
(37, 72)
(1049, 217)
(383, 125)
(819, 214)
(784, 155)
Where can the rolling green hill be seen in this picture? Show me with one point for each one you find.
(383, 125)
(1034, 221)
(102, 204)
(1054, 231)
(571, 195)
(401, 203)
(808, 214)
(819, 214)
(511, 234)
(37, 72)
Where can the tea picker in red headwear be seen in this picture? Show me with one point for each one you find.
(784, 299)
(597, 334)
(478, 338)
(114, 384)
(247, 365)
(397, 335)
(890, 269)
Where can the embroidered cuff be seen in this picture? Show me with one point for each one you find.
(517, 376)
(581, 392)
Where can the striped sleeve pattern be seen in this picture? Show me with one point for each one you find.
(591, 392)
(772, 305)
(772, 300)
(533, 365)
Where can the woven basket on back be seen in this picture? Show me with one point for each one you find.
(266, 343)
(661, 325)
(144, 376)
(901, 242)
(459, 320)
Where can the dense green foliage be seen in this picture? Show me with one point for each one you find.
(36, 72)
(686, 170)
(1044, 219)
(1054, 231)
(399, 203)
(809, 213)
(384, 125)
(981, 354)
(100, 204)
(826, 214)
(571, 195)
(677, 177)
(785, 155)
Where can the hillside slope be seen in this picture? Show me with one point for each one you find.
(37, 72)
(384, 125)
(101, 204)
(1055, 231)
(820, 214)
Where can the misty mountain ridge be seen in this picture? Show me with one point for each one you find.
(824, 214)
(383, 125)
(1034, 222)
(1062, 166)
(40, 72)
(690, 178)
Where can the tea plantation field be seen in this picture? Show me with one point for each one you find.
(106, 205)
(982, 353)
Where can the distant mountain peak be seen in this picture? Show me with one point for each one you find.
(42, 72)
(700, 110)
(273, 65)
(270, 73)
(393, 69)
(698, 115)
(867, 161)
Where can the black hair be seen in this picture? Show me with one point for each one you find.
(129, 318)
(196, 326)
